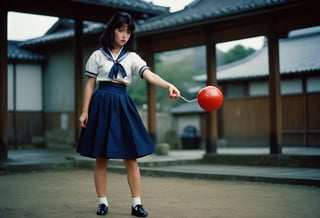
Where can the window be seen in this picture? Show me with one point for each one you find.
(258, 89)
(313, 84)
(235, 90)
(291, 86)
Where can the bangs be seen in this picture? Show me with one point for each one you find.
(125, 19)
(117, 21)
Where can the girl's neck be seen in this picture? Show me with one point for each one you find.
(116, 50)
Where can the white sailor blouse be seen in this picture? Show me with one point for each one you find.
(102, 66)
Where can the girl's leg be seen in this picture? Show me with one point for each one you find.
(100, 181)
(100, 177)
(133, 176)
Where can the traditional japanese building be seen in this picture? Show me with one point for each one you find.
(202, 23)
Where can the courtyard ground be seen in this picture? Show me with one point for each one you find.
(70, 193)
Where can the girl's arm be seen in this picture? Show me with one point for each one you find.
(90, 85)
(156, 80)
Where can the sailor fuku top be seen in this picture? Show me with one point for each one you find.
(104, 67)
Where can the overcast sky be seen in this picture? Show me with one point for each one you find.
(22, 26)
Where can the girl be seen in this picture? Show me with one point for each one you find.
(111, 125)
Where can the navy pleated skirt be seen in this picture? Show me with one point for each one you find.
(114, 128)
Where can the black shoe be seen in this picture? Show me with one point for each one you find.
(138, 211)
(102, 209)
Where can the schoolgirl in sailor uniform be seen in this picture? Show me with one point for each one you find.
(114, 128)
(111, 124)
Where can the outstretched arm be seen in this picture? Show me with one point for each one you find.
(156, 80)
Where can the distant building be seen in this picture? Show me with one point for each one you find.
(25, 95)
(245, 113)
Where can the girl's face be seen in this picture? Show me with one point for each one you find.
(121, 35)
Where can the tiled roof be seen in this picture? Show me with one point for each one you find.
(141, 6)
(201, 11)
(138, 5)
(298, 53)
(192, 107)
(19, 54)
(64, 33)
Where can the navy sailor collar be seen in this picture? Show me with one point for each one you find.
(117, 67)
(122, 54)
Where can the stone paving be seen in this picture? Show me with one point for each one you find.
(182, 163)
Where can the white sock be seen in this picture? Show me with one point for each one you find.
(136, 201)
(103, 200)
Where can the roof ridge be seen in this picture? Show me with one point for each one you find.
(17, 53)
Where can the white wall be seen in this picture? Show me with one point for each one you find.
(28, 87)
(59, 90)
(25, 87)
(188, 120)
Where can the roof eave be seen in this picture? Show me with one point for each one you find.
(217, 19)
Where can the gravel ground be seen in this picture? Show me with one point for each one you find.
(71, 194)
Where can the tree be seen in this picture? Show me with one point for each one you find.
(237, 53)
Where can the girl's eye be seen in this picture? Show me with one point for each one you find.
(123, 29)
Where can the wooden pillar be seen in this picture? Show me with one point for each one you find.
(78, 74)
(305, 101)
(275, 95)
(3, 83)
(211, 121)
(151, 97)
(14, 111)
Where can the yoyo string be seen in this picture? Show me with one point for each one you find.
(187, 100)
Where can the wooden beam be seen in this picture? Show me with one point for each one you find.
(144, 50)
(235, 31)
(177, 39)
(3, 84)
(305, 15)
(255, 23)
(92, 11)
(78, 74)
(305, 112)
(211, 121)
(274, 93)
(151, 97)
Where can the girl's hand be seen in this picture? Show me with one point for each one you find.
(83, 119)
(156, 80)
(174, 92)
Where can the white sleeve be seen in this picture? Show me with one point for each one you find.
(92, 65)
(139, 65)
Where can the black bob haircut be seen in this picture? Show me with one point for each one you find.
(117, 21)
